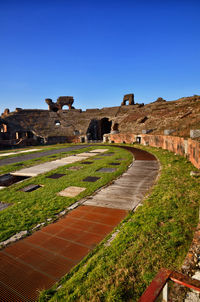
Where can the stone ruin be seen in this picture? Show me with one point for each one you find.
(129, 98)
(55, 125)
(35, 126)
(61, 101)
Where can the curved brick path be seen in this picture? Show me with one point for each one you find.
(38, 261)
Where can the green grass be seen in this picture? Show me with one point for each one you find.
(30, 209)
(157, 235)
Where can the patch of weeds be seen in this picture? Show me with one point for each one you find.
(30, 209)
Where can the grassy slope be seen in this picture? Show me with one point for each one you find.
(29, 209)
(157, 235)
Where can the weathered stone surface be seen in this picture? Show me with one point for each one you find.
(30, 188)
(3, 205)
(127, 191)
(71, 125)
(98, 151)
(71, 191)
(61, 101)
(91, 179)
(56, 176)
(129, 98)
(195, 133)
(168, 131)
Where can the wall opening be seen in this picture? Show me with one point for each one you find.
(4, 128)
(65, 107)
(116, 127)
(105, 127)
(97, 128)
(138, 139)
(57, 123)
(29, 134)
(19, 135)
(92, 131)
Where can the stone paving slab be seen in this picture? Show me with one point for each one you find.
(4, 205)
(86, 154)
(67, 160)
(38, 169)
(30, 188)
(48, 166)
(98, 150)
(56, 175)
(138, 180)
(71, 191)
(91, 179)
(18, 152)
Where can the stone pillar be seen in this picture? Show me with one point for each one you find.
(186, 146)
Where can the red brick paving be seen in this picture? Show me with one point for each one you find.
(38, 261)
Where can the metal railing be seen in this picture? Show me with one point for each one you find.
(160, 285)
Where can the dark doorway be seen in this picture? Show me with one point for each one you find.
(116, 127)
(92, 132)
(138, 139)
(29, 134)
(97, 128)
(105, 126)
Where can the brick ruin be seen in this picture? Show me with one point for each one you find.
(58, 125)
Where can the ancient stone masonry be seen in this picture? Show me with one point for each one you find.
(32, 126)
(61, 101)
(178, 145)
(129, 98)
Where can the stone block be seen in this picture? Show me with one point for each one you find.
(168, 131)
(146, 131)
(3, 205)
(30, 188)
(71, 191)
(55, 176)
(91, 179)
(195, 133)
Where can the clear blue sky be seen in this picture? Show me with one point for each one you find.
(97, 51)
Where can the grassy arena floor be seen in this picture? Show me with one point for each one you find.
(30, 209)
(39, 160)
(157, 235)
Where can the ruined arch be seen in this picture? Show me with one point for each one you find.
(128, 98)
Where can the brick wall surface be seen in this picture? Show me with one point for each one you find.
(194, 152)
(178, 145)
